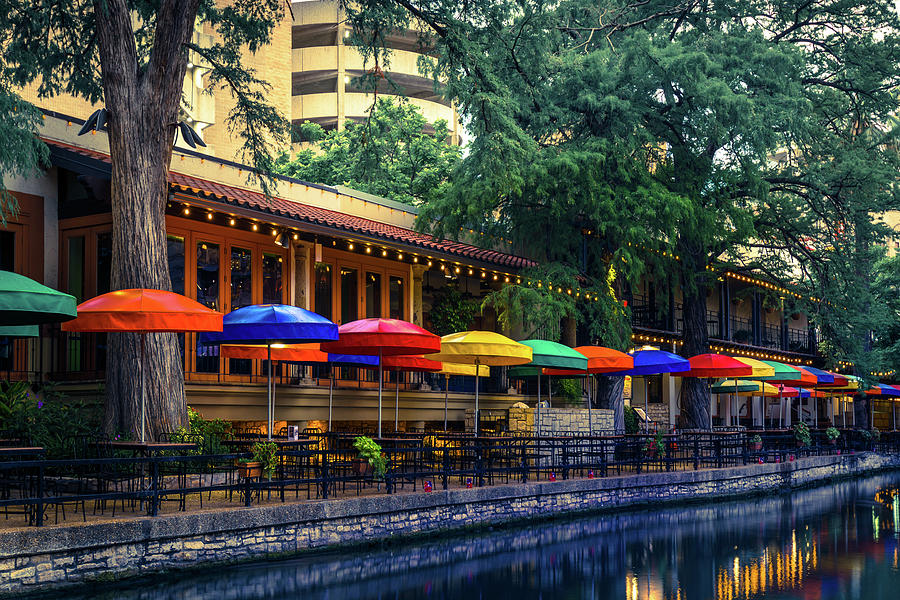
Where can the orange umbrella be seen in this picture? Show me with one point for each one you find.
(143, 311)
(600, 360)
(286, 352)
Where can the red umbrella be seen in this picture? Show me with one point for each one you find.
(383, 337)
(716, 365)
(409, 364)
(143, 311)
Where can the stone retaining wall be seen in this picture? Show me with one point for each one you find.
(34, 558)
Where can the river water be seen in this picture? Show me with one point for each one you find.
(833, 542)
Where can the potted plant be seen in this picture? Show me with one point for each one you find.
(248, 468)
(801, 434)
(370, 452)
(756, 443)
(263, 462)
(655, 448)
(832, 434)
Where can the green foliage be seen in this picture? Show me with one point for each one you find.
(631, 421)
(452, 311)
(832, 433)
(45, 418)
(212, 433)
(656, 446)
(801, 434)
(22, 154)
(756, 439)
(267, 454)
(569, 389)
(391, 154)
(370, 451)
(616, 136)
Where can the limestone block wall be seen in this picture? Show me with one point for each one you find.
(551, 421)
(659, 413)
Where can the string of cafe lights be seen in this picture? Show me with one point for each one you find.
(757, 354)
(452, 268)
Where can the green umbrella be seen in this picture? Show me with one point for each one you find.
(24, 301)
(20, 331)
(783, 372)
(732, 386)
(550, 355)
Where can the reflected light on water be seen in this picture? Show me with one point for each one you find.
(838, 542)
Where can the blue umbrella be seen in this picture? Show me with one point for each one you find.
(821, 376)
(267, 324)
(654, 362)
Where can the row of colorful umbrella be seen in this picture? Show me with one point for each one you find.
(282, 332)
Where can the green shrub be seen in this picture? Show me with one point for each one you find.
(42, 415)
(371, 451)
(756, 439)
(570, 391)
(267, 454)
(801, 434)
(832, 433)
(212, 433)
(631, 421)
(656, 445)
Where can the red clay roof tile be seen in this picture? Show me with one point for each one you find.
(322, 216)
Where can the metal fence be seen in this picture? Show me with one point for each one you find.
(327, 466)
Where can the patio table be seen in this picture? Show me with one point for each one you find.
(13, 451)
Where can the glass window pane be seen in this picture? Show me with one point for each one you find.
(208, 275)
(241, 278)
(8, 250)
(395, 291)
(272, 292)
(208, 295)
(349, 300)
(104, 262)
(75, 284)
(175, 252)
(373, 295)
(323, 290)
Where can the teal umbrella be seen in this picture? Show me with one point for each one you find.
(20, 331)
(24, 301)
(546, 354)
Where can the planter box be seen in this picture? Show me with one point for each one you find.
(250, 470)
(362, 467)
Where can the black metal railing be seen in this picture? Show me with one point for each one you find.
(327, 466)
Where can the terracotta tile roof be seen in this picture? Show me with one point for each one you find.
(321, 216)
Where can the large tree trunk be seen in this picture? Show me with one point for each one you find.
(695, 393)
(143, 109)
(610, 396)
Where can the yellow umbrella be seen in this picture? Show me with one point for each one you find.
(481, 348)
(449, 369)
(760, 369)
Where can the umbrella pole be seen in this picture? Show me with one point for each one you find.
(446, 394)
(380, 384)
(590, 421)
(538, 424)
(397, 402)
(143, 398)
(330, 394)
(646, 415)
(271, 416)
(476, 397)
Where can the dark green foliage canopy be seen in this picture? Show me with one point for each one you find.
(669, 138)
(394, 153)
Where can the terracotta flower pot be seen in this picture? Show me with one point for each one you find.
(756, 446)
(249, 470)
(362, 467)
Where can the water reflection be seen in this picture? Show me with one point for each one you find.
(833, 542)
